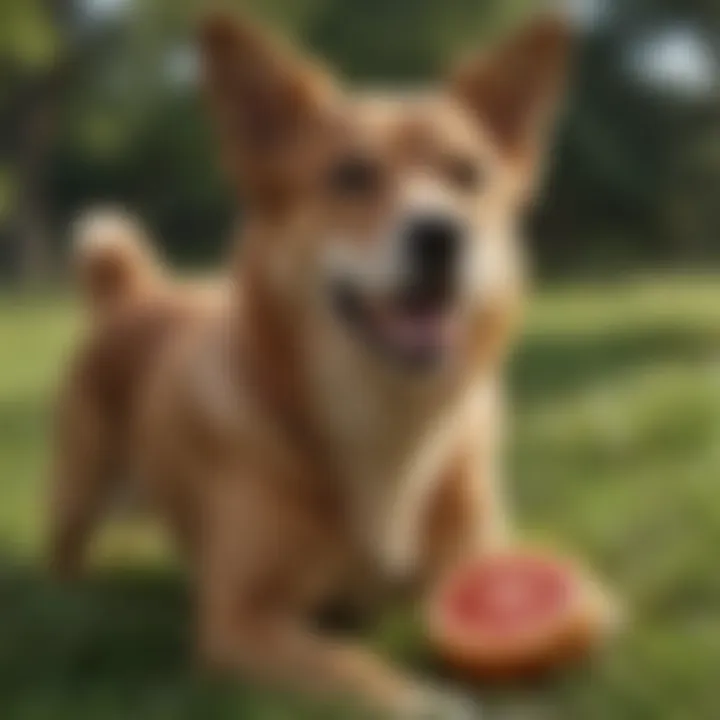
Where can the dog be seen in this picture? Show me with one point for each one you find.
(325, 423)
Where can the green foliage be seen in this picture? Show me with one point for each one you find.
(131, 127)
(28, 37)
(636, 156)
(633, 177)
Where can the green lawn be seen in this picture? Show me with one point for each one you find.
(615, 454)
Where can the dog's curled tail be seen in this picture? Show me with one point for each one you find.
(113, 259)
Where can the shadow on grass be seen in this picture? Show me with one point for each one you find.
(126, 625)
(551, 366)
(118, 645)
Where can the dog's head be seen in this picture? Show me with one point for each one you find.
(395, 214)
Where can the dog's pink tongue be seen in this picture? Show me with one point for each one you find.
(419, 331)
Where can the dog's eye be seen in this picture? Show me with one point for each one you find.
(466, 173)
(355, 175)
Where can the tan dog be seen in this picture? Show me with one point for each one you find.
(330, 430)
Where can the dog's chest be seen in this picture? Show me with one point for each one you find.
(369, 430)
(387, 450)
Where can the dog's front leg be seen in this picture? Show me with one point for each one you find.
(480, 478)
(483, 490)
(468, 515)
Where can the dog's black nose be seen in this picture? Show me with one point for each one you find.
(434, 245)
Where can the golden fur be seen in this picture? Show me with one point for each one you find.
(293, 465)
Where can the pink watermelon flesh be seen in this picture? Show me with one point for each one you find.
(508, 597)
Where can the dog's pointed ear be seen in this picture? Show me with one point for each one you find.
(263, 98)
(514, 89)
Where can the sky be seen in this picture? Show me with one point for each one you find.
(101, 9)
(675, 59)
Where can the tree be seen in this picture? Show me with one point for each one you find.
(32, 53)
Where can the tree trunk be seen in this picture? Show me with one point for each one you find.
(30, 222)
(34, 118)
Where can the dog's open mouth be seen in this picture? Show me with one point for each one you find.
(414, 327)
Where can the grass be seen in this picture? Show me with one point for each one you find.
(615, 454)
